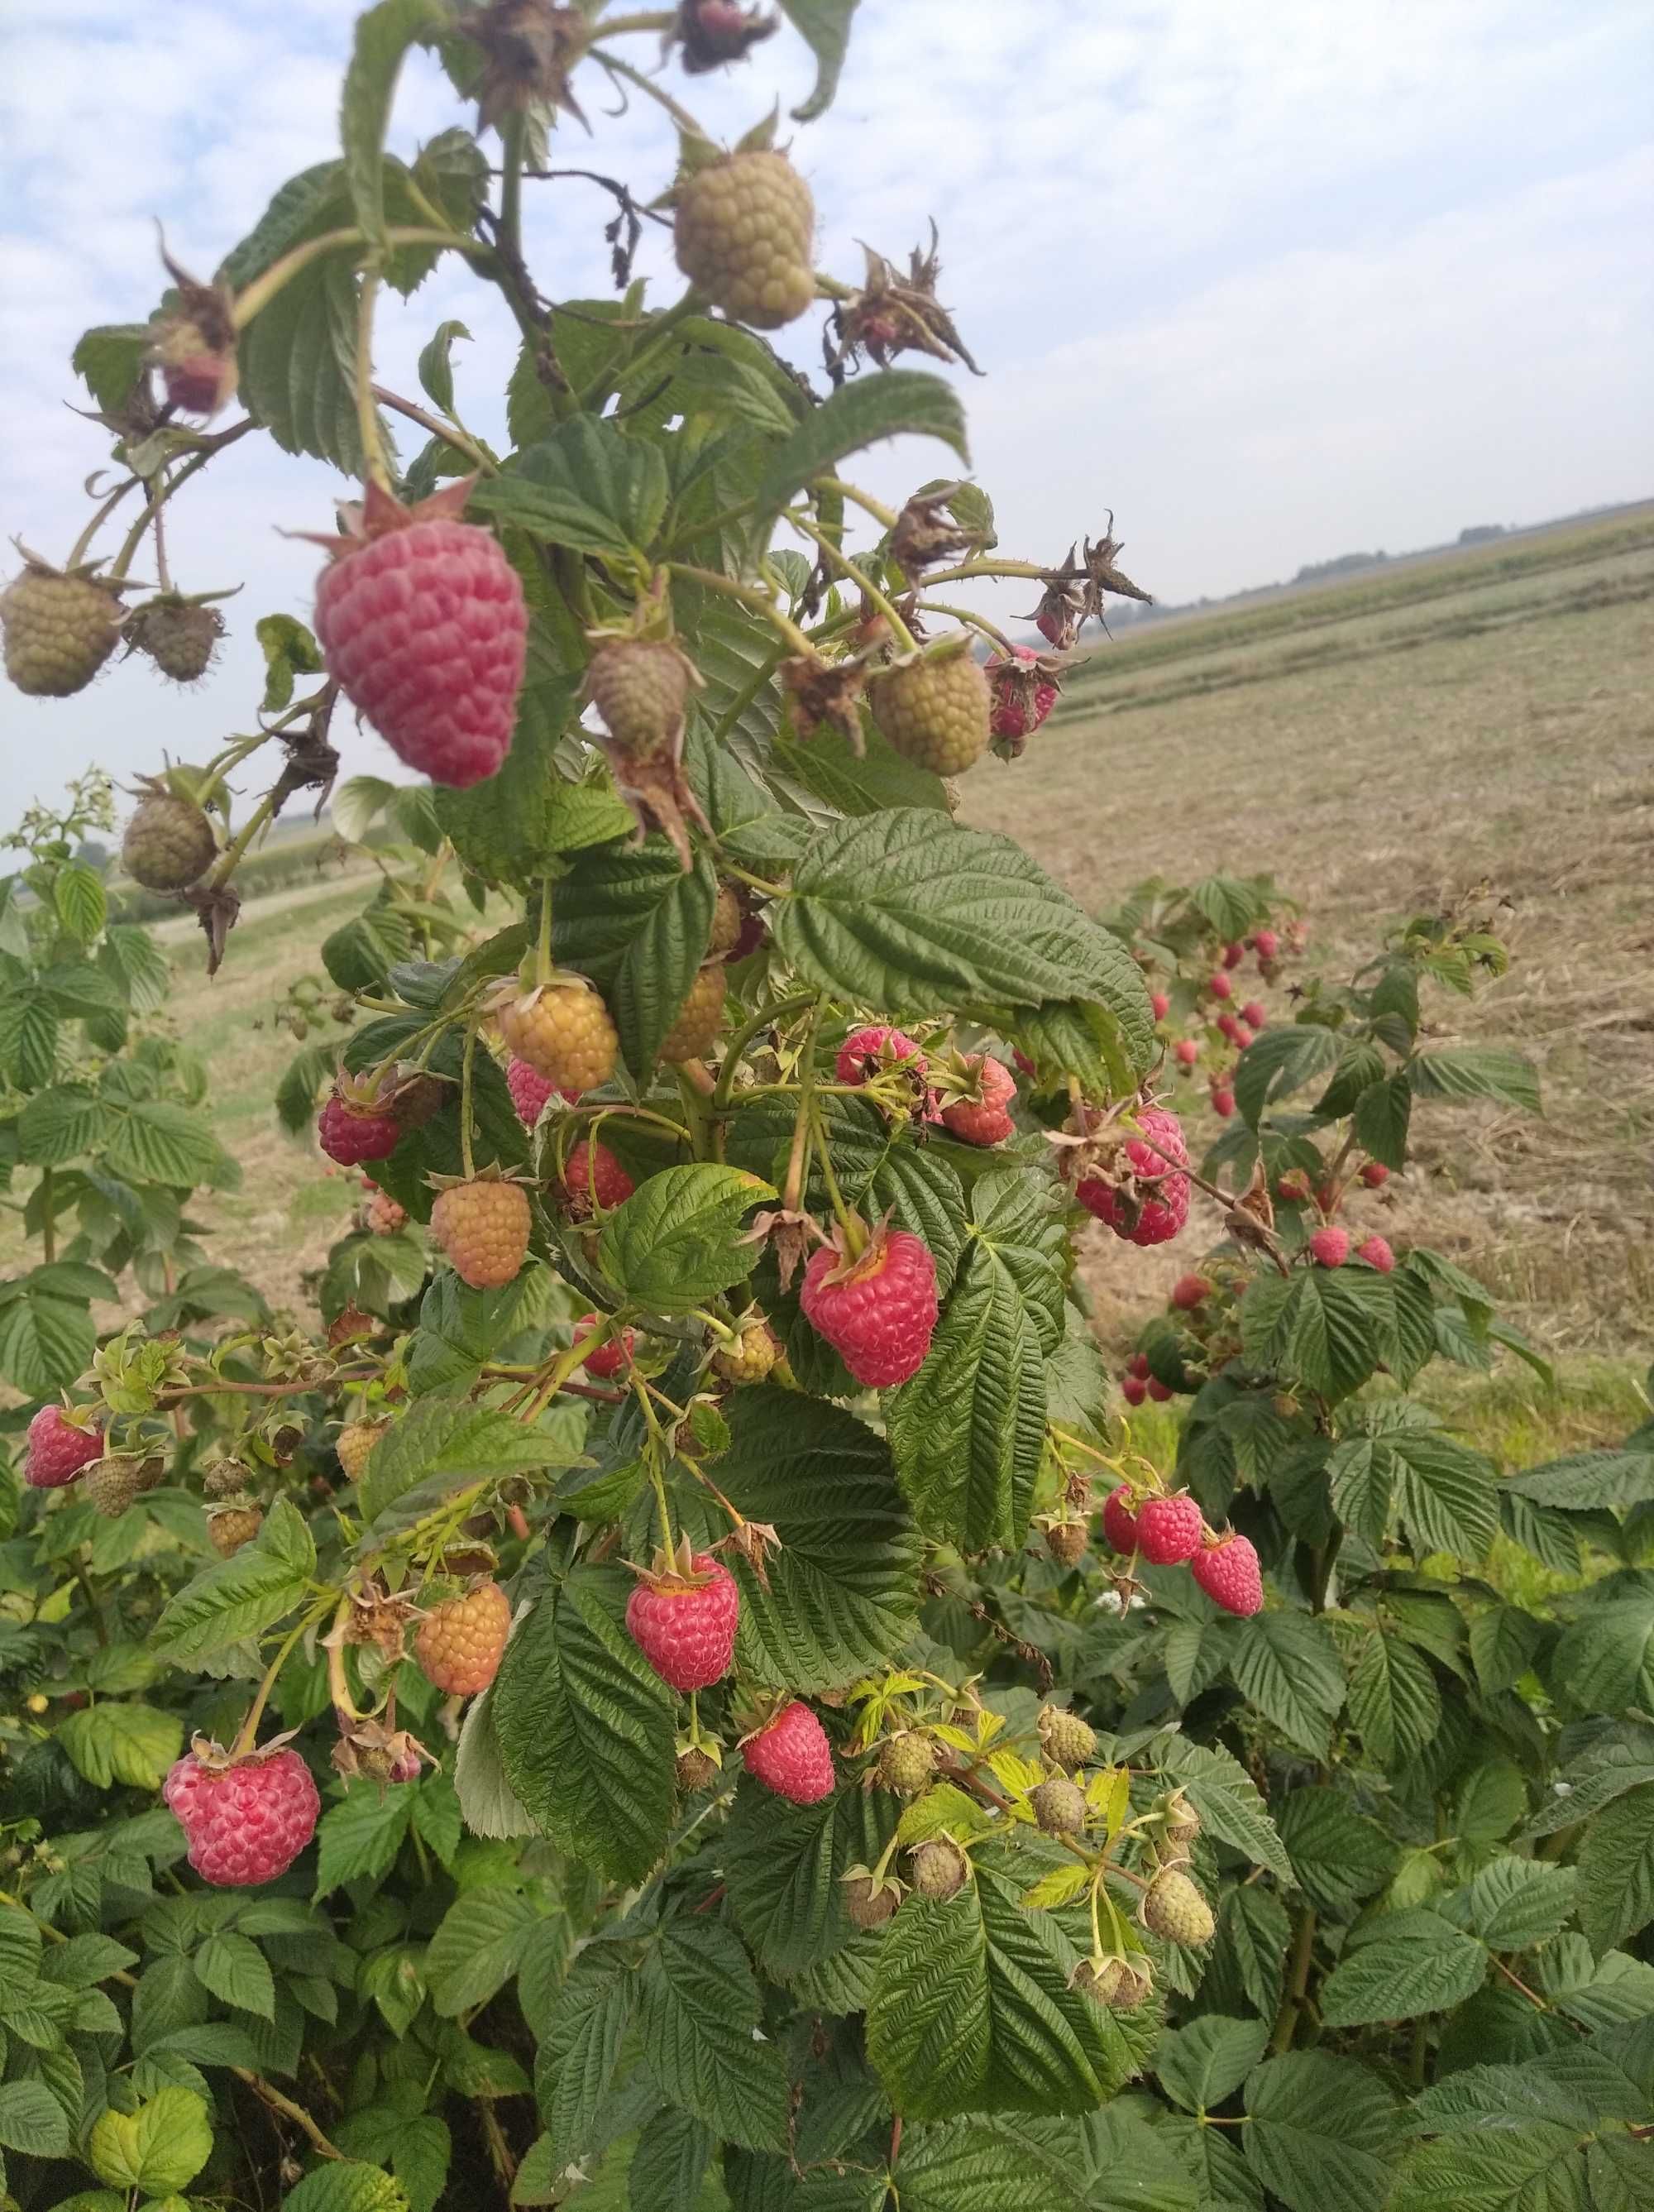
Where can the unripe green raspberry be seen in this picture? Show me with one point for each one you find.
(938, 1869)
(1059, 1805)
(751, 1356)
(59, 630)
(727, 922)
(907, 1763)
(1064, 1738)
(1182, 1821)
(694, 1032)
(113, 1483)
(935, 711)
(230, 1527)
(639, 688)
(226, 1477)
(869, 1903)
(695, 1770)
(743, 233)
(177, 635)
(1122, 1985)
(169, 841)
(1174, 1908)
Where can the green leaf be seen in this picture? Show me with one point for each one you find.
(1382, 1115)
(586, 1726)
(1280, 1061)
(1226, 1799)
(32, 2121)
(1605, 1661)
(478, 1946)
(897, 403)
(1400, 1967)
(677, 1240)
(242, 1595)
(977, 2164)
(1287, 1667)
(358, 1838)
(111, 357)
(1338, 1855)
(45, 1343)
(1616, 1870)
(1516, 2165)
(347, 2186)
(1478, 1071)
(582, 2042)
(585, 486)
(857, 783)
(131, 954)
(968, 1430)
(361, 953)
(1514, 1904)
(29, 1036)
(783, 1863)
(158, 1141)
(905, 914)
(439, 1445)
(826, 24)
(234, 1968)
(638, 925)
(161, 2147)
(842, 1591)
(1394, 1704)
(290, 650)
(1253, 1932)
(110, 1743)
(77, 893)
(299, 364)
(1322, 2132)
(670, 2163)
(972, 2010)
(698, 2007)
(58, 1123)
(1201, 2066)
(1321, 1326)
(1611, 1481)
(383, 35)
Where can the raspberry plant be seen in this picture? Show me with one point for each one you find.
(635, 1682)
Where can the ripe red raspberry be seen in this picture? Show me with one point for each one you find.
(684, 1624)
(694, 1032)
(640, 687)
(482, 1227)
(422, 624)
(169, 841)
(1187, 1051)
(610, 1356)
(877, 1311)
(350, 1129)
(1254, 1014)
(743, 233)
(1119, 1522)
(1155, 1206)
(1161, 1005)
(1159, 1391)
(1021, 696)
(1219, 986)
(1377, 1253)
(1293, 1187)
(1233, 955)
(1223, 1102)
(1138, 1365)
(246, 1819)
(1265, 943)
(933, 710)
(984, 1120)
(1189, 1292)
(58, 1448)
(1241, 1037)
(1227, 1571)
(1227, 1027)
(179, 635)
(866, 1052)
(1374, 1173)
(791, 1756)
(563, 1032)
(1169, 1529)
(58, 630)
(530, 1090)
(459, 1643)
(1330, 1248)
(1134, 1389)
(593, 1177)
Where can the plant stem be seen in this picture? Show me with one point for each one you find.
(765, 1017)
(375, 467)
(248, 1731)
(511, 184)
(48, 1217)
(990, 630)
(261, 814)
(466, 1070)
(876, 507)
(749, 596)
(855, 1235)
(191, 467)
(263, 289)
(446, 431)
(77, 551)
(543, 963)
(864, 583)
(612, 63)
(1303, 1953)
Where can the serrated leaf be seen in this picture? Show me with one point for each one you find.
(299, 364)
(1476, 1071)
(638, 924)
(1253, 1932)
(586, 1726)
(1537, 2167)
(1338, 1855)
(1201, 2066)
(1321, 1326)
(1280, 1061)
(1514, 1904)
(1613, 1481)
(439, 1445)
(477, 1946)
(1400, 1967)
(347, 2186)
(240, 1596)
(1394, 1704)
(1226, 1799)
(824, 24)
(161, 2147)
(233, 1967)
(782, 1864)
(289, 650)
(110, 1743)
(1616, 1870)
(111, 357)
(1322, 2133)
(45, 1343)
(897, 403)
(32, 2120)
(676, 1241)
(77, 893)
(585, 485)
(578, 2053)
(698, 2009)
(358, 1837)
(156, 1140)
(1287, 1665)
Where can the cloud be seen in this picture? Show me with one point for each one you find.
(1270, 286)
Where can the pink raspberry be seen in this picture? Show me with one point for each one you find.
(1157, 1208)
(1233, 955)
(593, 1174)
(866, 1052)
(1265, 943)
(1241, 1037)
(1223, 1102)
(1187, 1051)
(1189, 1292)
(1138, 1365)
(613, 1354)
(530, 1090)
(1377, 1253)
(1133, 1389)
(1020, 701)
(1374, 1173)
(984, 1120)
(351, 1134)
(1227, 1027)
(877, 1311)
(1254, 1014)
(1161, 1005)
(58, 1449)
(1219, 986)
(422, 622)
(1159, 1391)
(792, 1755)
(1170, 1529)
(246, 1819)
(1119, 1522)
(1330, 1248)
(1227, 1571)
(684, 1624)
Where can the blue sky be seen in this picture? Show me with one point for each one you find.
(1271, 283)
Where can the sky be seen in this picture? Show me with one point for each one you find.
(1272, 285)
